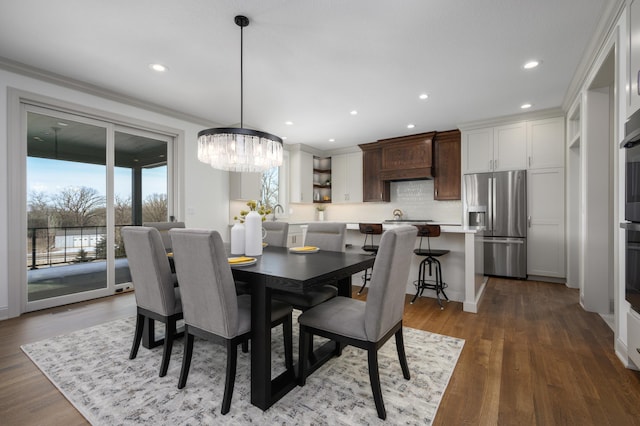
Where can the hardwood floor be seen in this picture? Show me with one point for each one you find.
(532, 356)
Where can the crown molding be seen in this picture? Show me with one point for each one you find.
(507, 119)
(60, 80)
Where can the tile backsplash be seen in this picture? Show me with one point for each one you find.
(414, 198)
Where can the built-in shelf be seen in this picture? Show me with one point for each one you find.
(322, 179)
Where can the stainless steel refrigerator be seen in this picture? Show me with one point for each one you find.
(498, 202)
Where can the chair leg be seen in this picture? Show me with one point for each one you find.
(137, 337)
(366, 277)
(287, 331)
(401, 354)
(374, 377)
(169, 335)
(232, 359)
(420, 281)
(245, 346)
(186, 358)
(303, 356)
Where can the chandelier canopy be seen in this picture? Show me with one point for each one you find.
(239, 149)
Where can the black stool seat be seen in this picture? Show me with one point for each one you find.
(369, 230)
(431, 261)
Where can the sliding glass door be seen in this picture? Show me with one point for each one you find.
(85, 179)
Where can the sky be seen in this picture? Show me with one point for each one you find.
(51, 176)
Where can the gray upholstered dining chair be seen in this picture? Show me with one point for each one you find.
(277, 233)
(326, 236)
(157, 298)
(367, 325)
(212, 310)
(164, 228)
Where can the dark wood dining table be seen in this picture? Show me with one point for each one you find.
(279, 269)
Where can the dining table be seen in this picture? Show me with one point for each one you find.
(280, 268)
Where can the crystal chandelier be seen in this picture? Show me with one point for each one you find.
(239, 149)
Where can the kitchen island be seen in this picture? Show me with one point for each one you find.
(462, 268)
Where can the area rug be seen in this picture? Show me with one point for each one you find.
(92, 369)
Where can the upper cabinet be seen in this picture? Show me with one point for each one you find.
(373, 187)
(545, 143)
(346, 172)
(301, 182)
(406, 157)
(495, 149)
(523, 145)
(446, 166)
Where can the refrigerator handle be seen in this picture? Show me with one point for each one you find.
(529, 221)
(491, 203)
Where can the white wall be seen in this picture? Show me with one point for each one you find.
(204, 191)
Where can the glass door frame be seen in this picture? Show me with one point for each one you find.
(19, 103)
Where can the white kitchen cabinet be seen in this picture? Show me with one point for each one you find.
(545, 233)
(295, 236)
(346, 172)
(301, 177)
(495, 148)
(244, 186)
(545, 143)
(634, 57)
(633, 337)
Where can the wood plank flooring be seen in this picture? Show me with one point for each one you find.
(532, 356)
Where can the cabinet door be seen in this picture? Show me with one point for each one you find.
(545, 235)
(510, 147)
(354, 177)
(477, 151)
(545, 143)
(446, 150)
(301, 180)
(373, 189)
(347, 178)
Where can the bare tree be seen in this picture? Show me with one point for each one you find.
(79, 206)
(155, 208)
(122, 210)
(39, 210)
(269, 190)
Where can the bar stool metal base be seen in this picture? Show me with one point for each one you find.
(423, 283)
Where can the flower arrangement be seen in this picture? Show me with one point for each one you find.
(321, 207)
(254, 206)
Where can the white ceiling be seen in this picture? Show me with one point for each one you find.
(312, 62)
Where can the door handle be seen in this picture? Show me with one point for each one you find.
(529, 221)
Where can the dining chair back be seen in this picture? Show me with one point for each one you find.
(328, 236)
(157, 297)
(164, 228)
(212, 310)
(367, 325)
(277, 233)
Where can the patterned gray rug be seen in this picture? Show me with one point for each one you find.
(92, 369)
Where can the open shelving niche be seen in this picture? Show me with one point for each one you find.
(321, 179)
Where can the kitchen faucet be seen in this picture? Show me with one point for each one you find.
(397, 214)
(275, 209)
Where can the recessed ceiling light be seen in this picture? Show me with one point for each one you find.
(332, 140)
(283, 137)
(354, 112)
(289, 123)
(424, 96)
(158, 67)
(61, 124)
(525, 106)
(531, 64)
(410, 126)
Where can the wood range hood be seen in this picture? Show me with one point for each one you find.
(407, 157)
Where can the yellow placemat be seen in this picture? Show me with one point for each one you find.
(241, 259)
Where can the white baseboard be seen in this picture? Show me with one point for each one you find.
(4, 313)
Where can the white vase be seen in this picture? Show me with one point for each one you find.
(253, 234)
(320, 216)
(237, 238)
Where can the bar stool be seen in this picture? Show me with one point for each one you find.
(430, 260)
(369, 230)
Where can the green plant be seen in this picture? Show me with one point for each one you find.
(253, 206)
